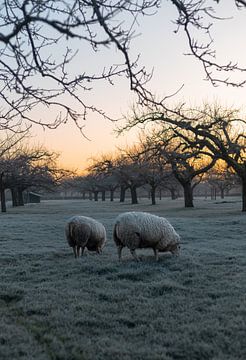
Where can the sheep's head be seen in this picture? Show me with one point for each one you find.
(174, 247)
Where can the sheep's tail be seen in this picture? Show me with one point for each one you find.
(115, 235)
(71, 229)
(71, 234)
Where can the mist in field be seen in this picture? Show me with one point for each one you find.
(53, 306)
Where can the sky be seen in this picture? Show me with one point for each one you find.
(163, 51)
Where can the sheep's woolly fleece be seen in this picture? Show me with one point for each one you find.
(142, 230)
(86, 232)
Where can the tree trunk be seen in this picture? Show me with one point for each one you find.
(95, 195)
(122, 193)
(213, 193)
(134, 195)
(188, 194)
(90, 195)
(222, 193)
(14, 197)
(20, 197)
(205, 195)
(244, 194)
(103, 195)
(152, 192)
(173, 194)
(3, 200)
(111, 195)
(2, 193)
(160, 194)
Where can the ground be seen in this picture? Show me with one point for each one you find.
(53, 306)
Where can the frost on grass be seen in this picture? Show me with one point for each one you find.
(191, 307)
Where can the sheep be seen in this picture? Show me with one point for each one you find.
(144, 230)
(84, 232)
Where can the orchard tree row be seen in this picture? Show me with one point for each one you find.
(177, 150)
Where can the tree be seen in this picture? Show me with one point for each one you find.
(8, 143)
(152, 164)
(128, 171)
(221, 178)
(90, 183)
(153, 174)
(196, 18)
(40, 39)
(2, 192)
(29, 168)
(171, 184)
(187, 165)
(104, 168)
(209, 130)
(38, 42)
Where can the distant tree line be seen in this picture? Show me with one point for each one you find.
(173, 155)
(177, 151)
(155, 180)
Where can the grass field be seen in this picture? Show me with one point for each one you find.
(189, 307)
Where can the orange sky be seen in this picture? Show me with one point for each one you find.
(162, 49)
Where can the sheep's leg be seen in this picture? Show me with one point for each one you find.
(156, 252)
(119, 249)
(133, 252)
(78, 251)
(74, 251)
(99, 250)
(82, 250)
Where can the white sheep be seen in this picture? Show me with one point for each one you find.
(143, 230)
(84, 232)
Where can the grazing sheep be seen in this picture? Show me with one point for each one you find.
(143, 230)
(82, 232)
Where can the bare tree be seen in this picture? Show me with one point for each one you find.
(187, 165)
(9, 142)
(38, 42)
(104, 167)
(221, 178)
(129, 173)
(29, 167)
(153, 174)
(2, 185)
(209, 130)
(40, 39)
(171, 184)
(90, 183)
(196, 18)
(151, 164)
